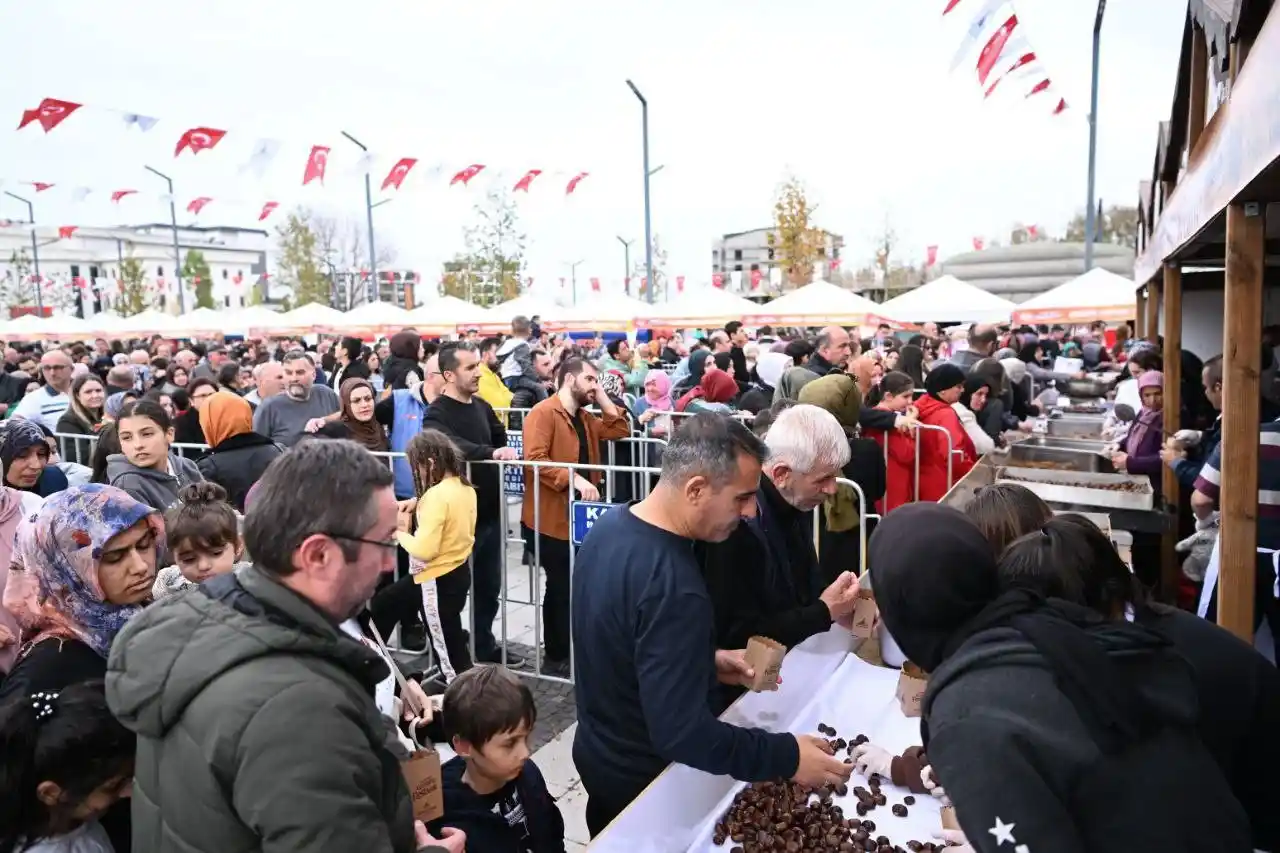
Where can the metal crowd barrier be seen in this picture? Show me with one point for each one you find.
(951, 451)
(65, 440)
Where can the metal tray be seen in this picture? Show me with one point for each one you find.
(1076, 426)
(1084, 488)
(1058, 458)
(1088, 444)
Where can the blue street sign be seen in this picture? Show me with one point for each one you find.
(584, 514)
(513, 475)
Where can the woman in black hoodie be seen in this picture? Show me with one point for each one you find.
(405, 361)
(1239, 689)
(1051, 728)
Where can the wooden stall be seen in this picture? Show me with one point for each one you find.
(1204, 225)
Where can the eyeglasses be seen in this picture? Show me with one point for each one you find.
(390, 544)
(55, 367)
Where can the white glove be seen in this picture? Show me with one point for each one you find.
(869, 759)
(1210, 522)
(955, 841)
(934, 789)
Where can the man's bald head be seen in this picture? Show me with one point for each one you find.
(982, 339)
(833, 344)
(186, 358)
(140, 356)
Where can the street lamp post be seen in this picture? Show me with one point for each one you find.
(1090, 216)
(35, 251)
(648, 230)
(626, 255)
(177, 253)
(368, 209)
(573, 277)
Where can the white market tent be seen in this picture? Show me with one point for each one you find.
(614, 312)
(66, 327)
(374, 318)
(528, 305)
(1096, 295)
(203, 322)
(706, 306)
(312, 317)
(818, 304)
(151, 322)
(253, 316)
(445, 315)
(948, 300)
(28, 326)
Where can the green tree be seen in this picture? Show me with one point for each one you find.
(298, 260)
(796, 243)
(135, 297)
(1118, 224)
(17, 290)
(255, 292)
(490, 270)
(195, 271)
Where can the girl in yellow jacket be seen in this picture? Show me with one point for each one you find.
(441, 545)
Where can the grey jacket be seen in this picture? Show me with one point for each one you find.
(156, 489)
(257, 728)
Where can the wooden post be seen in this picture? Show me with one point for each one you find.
(1140, 315)
(1153, 311)
(1241, 363)
(1199, 88)
(1170, 566)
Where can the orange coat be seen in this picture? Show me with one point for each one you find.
(549, 436)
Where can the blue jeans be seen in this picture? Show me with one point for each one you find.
(486, 575)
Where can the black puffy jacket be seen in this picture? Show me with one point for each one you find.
(238, 462)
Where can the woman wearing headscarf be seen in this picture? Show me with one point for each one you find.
(1048, 726)
(14, 507)
(115, 402)
(997, 415)
(1021, 405)
(972, 401)
(769, 369)
(793, 379)
(358, 402)
(943, 386)
(237, 455)
(403, 368)
(655, 401)
(25, 455)
(1139, 451)
(714, 393)
(697, 367)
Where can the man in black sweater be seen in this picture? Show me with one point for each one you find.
(467, 419)
(644, 634)
(737, 340)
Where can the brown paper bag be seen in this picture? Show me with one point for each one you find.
(422, 774)
(911, 687)
(948, 814)
(765, 657)
(869, 650)
(864, 615)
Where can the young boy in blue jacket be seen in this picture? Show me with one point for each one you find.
(492, 790)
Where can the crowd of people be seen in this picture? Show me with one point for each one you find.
(205, 552)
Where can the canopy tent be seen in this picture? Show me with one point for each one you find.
(66, 327)
(500, 316)
(203, 322)
(614, 312)
(28, 326)
(948, 300)
(445, 315)
(255, 316)
(1096, 295)
(818, 304)
(151, 322)
(303, 320)
(706, 306)
(374, 318)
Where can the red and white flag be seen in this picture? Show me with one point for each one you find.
(1061, 107)
(237, 279)
(978, 243)
(1023, 61)
(464, 177)
(717, 280)
(977, 27)
(595, 284)
(1042, 86)
(51, 113)
(65, 231)
(1033, 231)
(267, 210)
(41, 187)
(523, 183)
(197, 204)
(756, 276)
(680, 284)
(316, 164)
(994, 47)
(199, 139)
(951, 4)
(573, 182)
(119, 194)
(930, 255)
(398, 173)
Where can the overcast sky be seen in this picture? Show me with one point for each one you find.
(855, 97)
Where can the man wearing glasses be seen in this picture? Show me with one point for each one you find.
(47, 405)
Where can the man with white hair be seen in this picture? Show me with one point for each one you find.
(268, 381)
(764, 579)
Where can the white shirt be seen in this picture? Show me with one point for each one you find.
(87, 838)
(384, 694)
(42, 407)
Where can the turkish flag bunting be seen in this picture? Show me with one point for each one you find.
(930, 256)
(199, 139)
(268, 209)
(196, 280)
(835, 264)
(1061, 107)
(65, 231)
(464, 177)
(1032, 231)
(238, 278)
(119, 194)
(316, 164)
(523, 183)
(1025, 59)
(50, 113)
(364, 275)
(40, 187)
(398, 173)
(197, 204)
(680, 283)
(991, 52)
(756, 275)
(717, 279)
(574, 181)
(978, 243)
(595, 284)
(951, 4)
(1039, 87)
(78, 281)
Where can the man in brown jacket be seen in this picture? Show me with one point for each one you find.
(560, 429)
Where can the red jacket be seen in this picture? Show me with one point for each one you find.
(899, 468)
(933, 449)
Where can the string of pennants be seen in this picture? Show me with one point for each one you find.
(52, 112)
(1006, 54)
(162, 284)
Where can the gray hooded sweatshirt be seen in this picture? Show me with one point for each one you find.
(156, 489)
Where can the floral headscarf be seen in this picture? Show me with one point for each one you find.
(18, 436)
(53, 588)
(613, 384)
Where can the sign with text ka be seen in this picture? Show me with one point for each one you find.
(584, 515)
